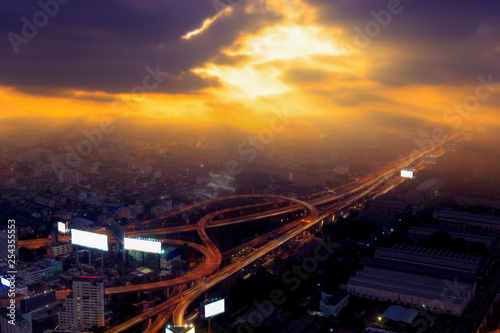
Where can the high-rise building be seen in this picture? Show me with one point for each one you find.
(84, 307)
(34, 274)
(59, 249)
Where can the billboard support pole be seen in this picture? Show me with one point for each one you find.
(77, 256)
(209, 321)
(102, 259)
(90, 258)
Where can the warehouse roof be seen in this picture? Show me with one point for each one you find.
(411, 284)
(398, 313)
(431, 257)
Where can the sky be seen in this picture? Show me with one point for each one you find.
(394, 66)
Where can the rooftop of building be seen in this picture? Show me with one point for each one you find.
(89, 278)
(430, 184)
(454, 230)
(422, 270)
(410, 284)
(333, 299)
(466, 217)
(448, 255)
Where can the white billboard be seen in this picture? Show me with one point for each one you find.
(214, 308)
(184, 329)
(89, 239)
(61, 227)
(5, 282)
(407, 174)
(142, 245)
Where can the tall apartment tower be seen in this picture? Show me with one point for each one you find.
(84, 307)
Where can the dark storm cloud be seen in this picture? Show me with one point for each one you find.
(106, 45)
(187, 81)
(418, 19)
(429, 42)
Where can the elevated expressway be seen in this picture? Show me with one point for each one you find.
(177, 303)
(213, 257)
(374, 184)
(183, 300)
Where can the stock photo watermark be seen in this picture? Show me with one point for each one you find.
(364, 35)
(460, 111)
(372, 29)
(10, 280)
(93, 138)
(292, 278)
(450, 292)
(30, 28)
(248, 150)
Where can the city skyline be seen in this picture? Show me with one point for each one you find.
(247, 166)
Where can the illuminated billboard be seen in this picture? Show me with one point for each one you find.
(5, 282)
(214, 308)
(407, 174)
(180, 329)
(89, 239)
(142, 245)
(61, 227)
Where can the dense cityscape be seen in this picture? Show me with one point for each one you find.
(355, 221)
(249, 166)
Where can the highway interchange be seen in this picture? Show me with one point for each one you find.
(209, 273)
(344, 198)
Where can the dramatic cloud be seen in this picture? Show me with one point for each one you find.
(105, 46)
(350, 62)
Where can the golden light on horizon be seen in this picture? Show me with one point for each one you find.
(293, 61)
(287, 42)
(270, 53)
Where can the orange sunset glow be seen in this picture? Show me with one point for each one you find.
(249, 166)
(286, 55)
